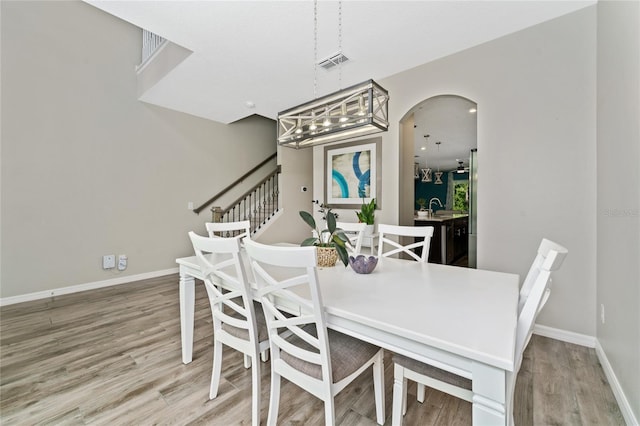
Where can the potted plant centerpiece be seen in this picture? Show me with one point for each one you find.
(423, 212)
(329, 242)
(367, 215)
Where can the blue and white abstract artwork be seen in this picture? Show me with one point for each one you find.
(352, 172)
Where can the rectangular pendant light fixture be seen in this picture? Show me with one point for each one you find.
(356, 111)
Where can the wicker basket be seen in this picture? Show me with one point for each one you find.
(327, 256)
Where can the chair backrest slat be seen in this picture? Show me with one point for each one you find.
(543, 251)
(355, 233)
(424, 232)
(239, 229)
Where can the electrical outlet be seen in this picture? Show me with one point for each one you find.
(602, 312)
(190, 205)
(122, 262)
(109, 261)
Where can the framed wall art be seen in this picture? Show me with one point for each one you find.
(352, 173)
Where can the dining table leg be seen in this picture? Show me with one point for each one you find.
(489, 387)
(187, 304)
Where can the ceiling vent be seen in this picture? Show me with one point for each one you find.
(333, 61)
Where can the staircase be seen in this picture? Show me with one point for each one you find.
(258, 205)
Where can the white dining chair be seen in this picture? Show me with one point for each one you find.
(321, 361)
(238, 321)
(426, 375)
(238, 229)
(542, 253)
(355, 233)
(424, 232)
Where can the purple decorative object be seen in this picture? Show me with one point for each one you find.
(363, 264)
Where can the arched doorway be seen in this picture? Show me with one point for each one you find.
(438, 159)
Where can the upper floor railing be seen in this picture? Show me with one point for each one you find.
(150, 44)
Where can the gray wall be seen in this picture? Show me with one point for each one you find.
(546, 168)
(296, 173)
(535, 91)
(89, 170)
(537, 112)
(618, 192)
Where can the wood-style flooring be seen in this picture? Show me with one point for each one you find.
(112, 356)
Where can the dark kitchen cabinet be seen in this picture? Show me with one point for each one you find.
(450, 241)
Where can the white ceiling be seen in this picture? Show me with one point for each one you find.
(263, 51)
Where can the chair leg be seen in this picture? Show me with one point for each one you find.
(216, 370)
(399, 395)
(255, 400)
(510, 396)
(247, 361)
(274, 399)
(420, 391)
(405, 387)
(329, 411)
(378, 387)
(264, 356)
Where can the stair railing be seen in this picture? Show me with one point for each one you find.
(201, 207)
(257, 205)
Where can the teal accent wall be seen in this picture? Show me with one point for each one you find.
(428, 190)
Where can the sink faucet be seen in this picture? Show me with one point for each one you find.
(437, 200)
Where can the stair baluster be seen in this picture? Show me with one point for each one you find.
(257, 205)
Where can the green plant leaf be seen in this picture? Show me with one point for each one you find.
(367, 212)
(342, 254)
(337, 241)
(331, 222)
(311, 241)
(340, 235)
(308, 218)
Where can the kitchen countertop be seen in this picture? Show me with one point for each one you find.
(439, 218)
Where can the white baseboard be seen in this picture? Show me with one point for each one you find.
(565, 336)
(592, 342)
(83, 287)
(623, 402)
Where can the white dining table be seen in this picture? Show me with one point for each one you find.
(458, 319)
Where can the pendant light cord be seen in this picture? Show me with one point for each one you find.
(340, 44)
(315, 49)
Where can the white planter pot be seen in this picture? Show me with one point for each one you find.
(368, 230)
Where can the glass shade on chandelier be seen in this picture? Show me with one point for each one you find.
(356, 111)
